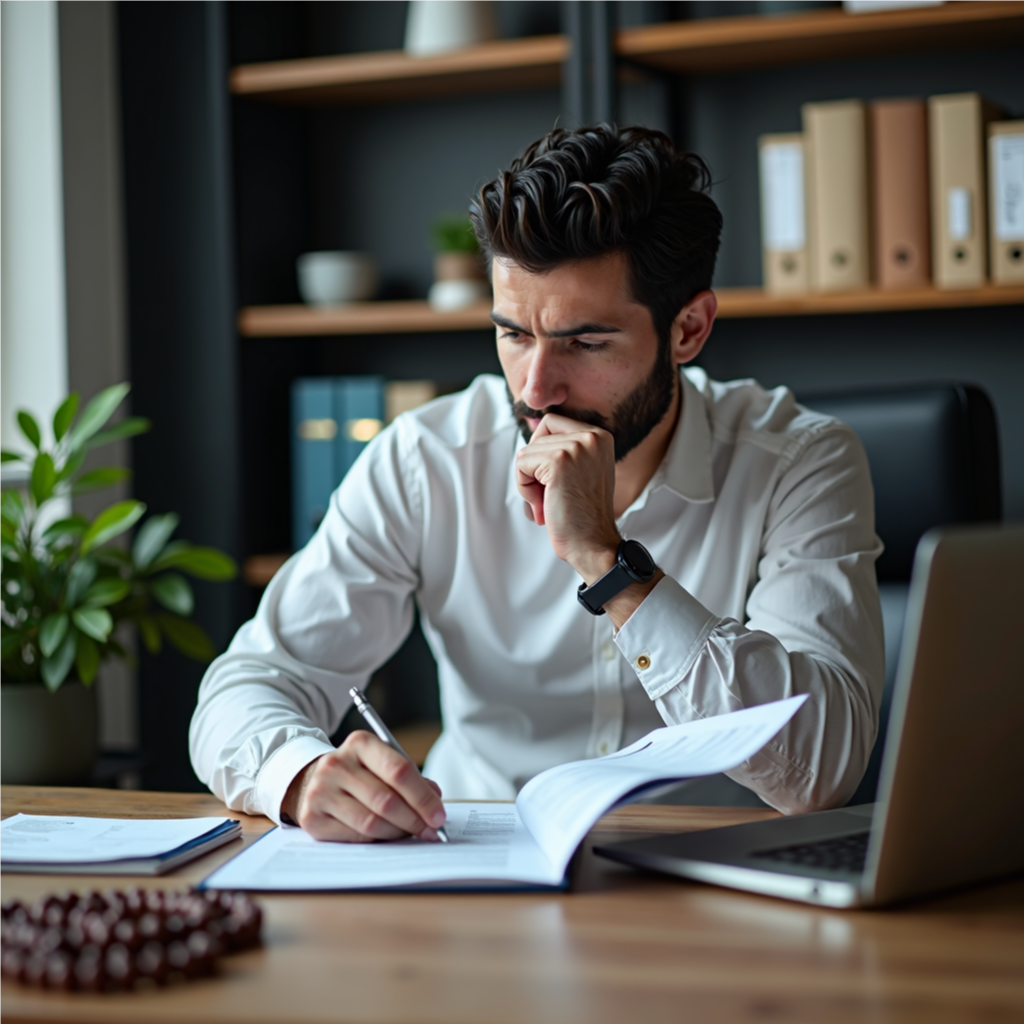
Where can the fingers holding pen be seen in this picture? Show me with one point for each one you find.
(365, 791)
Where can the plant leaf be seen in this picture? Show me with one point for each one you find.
(64, 415)
(10, 643)
(106, 592)
(189, 637)
(204, 563)
(100, 408)
(52, 632)
(71, 527)
(112, 521)
(174, 593)
(128, 427)
(83, 572)
(44, 476)
(72, 465)
(87, 660)
(150, 634)
(94, 622)
(12, 506)
(29, 428)
(152, 537)
(54, 669)
(8, 530)
(6, 456)
(97, 478)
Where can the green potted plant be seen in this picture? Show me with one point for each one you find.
(459, 276)
(69, 582)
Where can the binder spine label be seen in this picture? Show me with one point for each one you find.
(782, 175)
(1008, 179)
(958, 214)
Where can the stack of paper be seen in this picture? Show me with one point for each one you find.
(55, 845)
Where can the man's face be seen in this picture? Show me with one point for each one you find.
(572, 341)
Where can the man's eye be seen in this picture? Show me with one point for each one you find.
(590, 346)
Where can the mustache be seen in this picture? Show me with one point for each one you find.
(522, 412)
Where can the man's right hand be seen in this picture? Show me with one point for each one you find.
(361, 792)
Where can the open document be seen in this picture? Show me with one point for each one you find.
(510, 846)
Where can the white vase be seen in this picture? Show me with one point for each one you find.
(437, 26)
(334, 278)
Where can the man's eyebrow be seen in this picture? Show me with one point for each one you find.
(569, 332)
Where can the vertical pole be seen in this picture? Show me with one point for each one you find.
(602, 63)
(576, 73)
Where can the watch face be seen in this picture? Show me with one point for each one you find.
(638, 560)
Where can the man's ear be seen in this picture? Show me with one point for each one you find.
(692, 326)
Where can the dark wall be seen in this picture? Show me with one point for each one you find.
(181, 311)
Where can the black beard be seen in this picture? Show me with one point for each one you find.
(634, 417)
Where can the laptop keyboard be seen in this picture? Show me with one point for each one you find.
(846, 853)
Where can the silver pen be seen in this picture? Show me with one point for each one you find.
(376, 723)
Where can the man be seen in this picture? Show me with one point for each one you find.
(747, 576)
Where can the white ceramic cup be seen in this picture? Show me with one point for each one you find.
(436, 26)
(334, 278)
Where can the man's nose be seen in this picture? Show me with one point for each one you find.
(545, 382)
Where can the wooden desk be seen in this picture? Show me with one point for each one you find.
(621, 947)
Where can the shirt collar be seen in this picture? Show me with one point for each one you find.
(686, 468)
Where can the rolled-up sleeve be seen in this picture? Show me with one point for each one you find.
(335, 612)
(813, 626)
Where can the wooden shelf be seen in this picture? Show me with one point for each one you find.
(510, 64)
(406, 317)
(411, 317)
(259, 570)
(752, 302)
(731, 44)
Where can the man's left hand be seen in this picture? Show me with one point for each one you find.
(566, 474)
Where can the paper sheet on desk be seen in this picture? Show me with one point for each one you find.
(62, 839)
(511, 845)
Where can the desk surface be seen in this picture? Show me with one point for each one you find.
(622, 946)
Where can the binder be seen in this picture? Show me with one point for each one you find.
(359, 406)
(783, 218)
(314, 431)
(899, 190)
(1006, 200)
(956, 132)
(837, 195)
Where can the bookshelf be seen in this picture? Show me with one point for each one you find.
(411, 316)
(392, 75)
(732, 44)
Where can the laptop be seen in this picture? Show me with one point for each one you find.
(950, 808)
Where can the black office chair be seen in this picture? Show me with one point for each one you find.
(934, 455)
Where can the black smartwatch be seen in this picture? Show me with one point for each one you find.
(633, 564)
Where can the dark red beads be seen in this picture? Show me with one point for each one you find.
(102, 942)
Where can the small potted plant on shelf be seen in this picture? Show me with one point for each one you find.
(69, 582)
(459, 275)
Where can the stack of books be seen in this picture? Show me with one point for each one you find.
(898, 194)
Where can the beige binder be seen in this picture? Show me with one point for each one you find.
(899, 193)
(837, 195)
(956, 136)
(783, 213)
(1006, 201)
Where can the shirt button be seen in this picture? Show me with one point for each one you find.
(602, 748)
(608, 651)
(643, 662)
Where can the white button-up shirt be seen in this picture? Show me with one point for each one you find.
(761, 516)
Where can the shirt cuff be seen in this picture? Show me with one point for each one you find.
(662, 638)
(277, 774)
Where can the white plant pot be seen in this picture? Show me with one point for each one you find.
(437, 26)
(334, 278)
(448, 296)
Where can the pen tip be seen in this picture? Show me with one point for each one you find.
(442, 835)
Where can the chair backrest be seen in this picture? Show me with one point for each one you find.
(934, 456)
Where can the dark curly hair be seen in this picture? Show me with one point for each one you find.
(576, 195)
